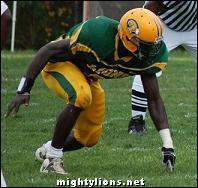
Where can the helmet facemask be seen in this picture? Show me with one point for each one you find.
(146, 49)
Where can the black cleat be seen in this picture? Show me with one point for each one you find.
(137, 125)
(168, 158)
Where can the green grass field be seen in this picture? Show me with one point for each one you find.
(118, 156)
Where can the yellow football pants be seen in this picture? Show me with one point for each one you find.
(69, 83)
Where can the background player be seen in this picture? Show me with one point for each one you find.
(5, 19)
(179, 20)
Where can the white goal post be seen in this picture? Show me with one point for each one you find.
(13, 25)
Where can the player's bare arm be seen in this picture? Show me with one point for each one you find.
(50, 50)
(159, 117)
(45, 53)
(155, 103)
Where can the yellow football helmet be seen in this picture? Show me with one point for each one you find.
(140, 29)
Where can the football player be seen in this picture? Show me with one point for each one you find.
(179, 19)
(72, 66)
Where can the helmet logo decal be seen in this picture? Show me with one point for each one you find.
(132, 26)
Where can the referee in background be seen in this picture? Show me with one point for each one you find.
(180, 28)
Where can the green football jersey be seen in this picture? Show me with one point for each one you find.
(99, 52)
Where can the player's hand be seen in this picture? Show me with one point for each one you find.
(168, 158)
(13, 107)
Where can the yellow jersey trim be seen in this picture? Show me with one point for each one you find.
(116, 57)
(83, 48)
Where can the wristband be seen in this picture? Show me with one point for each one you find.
(25, 85)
